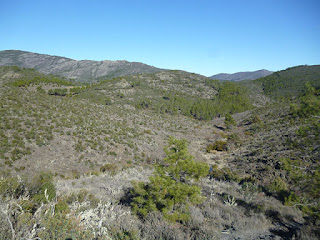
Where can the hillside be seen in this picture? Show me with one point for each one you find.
(239, 76)
(76, 160)
(289, 82)
(79, 70)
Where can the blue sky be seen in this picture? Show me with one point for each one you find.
(205, 37)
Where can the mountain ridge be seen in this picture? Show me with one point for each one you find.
(80, 70)
(239, 76)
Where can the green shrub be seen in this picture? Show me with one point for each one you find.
(40, 90)
(27, 81)
(170, 190)
(28, 206)
(224, 174)
(229, 121)
(121, 234)
(10, 187)
(61, 226)
(310, 102)
(234, 138)
(58, 91)
(108, 101)
(280, 188)
(143, 104)
(42, 188)
(62, 206)
(256, 119)
(217, 146)
(109, 167)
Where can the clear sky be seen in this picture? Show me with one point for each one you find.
(201, 36)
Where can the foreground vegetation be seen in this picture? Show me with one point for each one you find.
(168, 155)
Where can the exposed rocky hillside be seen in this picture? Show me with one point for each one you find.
(239, 76)
(80, 70)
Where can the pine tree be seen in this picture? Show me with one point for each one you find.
(171, 189)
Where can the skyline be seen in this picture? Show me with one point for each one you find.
(205, 37)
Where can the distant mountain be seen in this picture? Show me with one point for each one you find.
(242, 75)
(80, 70)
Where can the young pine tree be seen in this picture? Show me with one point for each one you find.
(171, 189)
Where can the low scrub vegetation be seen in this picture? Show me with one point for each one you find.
(87, 162)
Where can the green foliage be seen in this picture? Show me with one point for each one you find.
(58, 91)
(120, 234)
(77, 90)
(214, 83)
(232, 98)
(109, 167)
(61, 227)
(170, 190)
(290, 82)
(108, 101)
(28, 205)
(80, 197)
(229, 121)
(294, 109)
(62, 206)
(256, 119)
(42, 188)
(234, 138)
(279, 187)
(310, 102)
(217, 146)
(40, 79)
(10, 187)
(224, 174)
(143, 104)
(40, 90)
(303, 177)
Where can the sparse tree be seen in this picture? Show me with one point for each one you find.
(171, 189)
(229, 121)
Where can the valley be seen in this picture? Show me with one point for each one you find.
(72, 153)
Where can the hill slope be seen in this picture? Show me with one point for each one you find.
(242, 75)
(82, 71)
(290, 82)
(69, 156)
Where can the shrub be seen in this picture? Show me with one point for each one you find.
(143, 104)
(280, 188)
(58, 91)
(229, 121)
(10, 187)
(112, 168)
(310, 102)
(108, 101)
(62, 206)
(224, 174)
(234, 138)
(60, 226)
(170, 190)
(40, 90)
(42, 188)
(218, 146)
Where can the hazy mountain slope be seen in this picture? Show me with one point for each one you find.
(82, 71)
(289, 82)
(242, 75)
